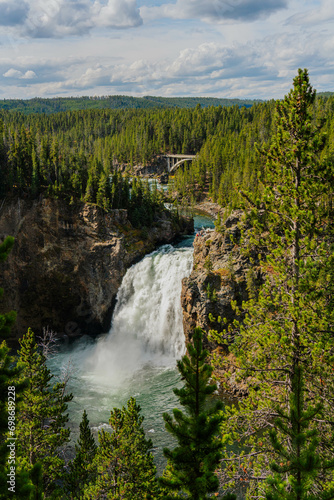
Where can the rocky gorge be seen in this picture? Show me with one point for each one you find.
(68, 262)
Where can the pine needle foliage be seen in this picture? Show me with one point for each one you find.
(80, 468)
(123, 460)
(9, 386)
(295, 468)
(41, 419)
(6, 319)
(12, 387)
(191, 465)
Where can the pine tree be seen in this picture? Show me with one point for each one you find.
(7, 373)
(35, 177)
(4, 174)
(10, 395)
(191, 465)
(103, 197)
(41, 418)
(81, 471)
(285, 344)
(6, 319)
(218, 223)
(123, 459)
(295, 468)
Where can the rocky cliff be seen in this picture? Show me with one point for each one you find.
(221, 274)
(68, 262)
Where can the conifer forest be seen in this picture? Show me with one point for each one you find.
(272, 160)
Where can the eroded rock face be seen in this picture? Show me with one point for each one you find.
(68, 263)
(220, 275)
(217, 278)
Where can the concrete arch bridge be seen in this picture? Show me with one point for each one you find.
(174, 161)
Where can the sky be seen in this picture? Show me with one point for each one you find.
(206, 48)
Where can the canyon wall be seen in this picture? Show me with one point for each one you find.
(68, 262)
(221, 273)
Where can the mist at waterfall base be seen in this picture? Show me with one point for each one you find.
(138, 356)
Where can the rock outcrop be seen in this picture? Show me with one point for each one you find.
(221, 274)
(68, 262)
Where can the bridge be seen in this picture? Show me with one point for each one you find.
(174, 161)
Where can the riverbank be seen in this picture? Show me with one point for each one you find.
(209, 208)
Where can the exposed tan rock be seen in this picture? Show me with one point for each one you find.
(68, 263)
(219, 276)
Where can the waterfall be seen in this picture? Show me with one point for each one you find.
(137, 357)
(146, 326)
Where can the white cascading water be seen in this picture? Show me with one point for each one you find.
(147, 321)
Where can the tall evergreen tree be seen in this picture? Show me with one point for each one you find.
(6, 371)
(191, 465)
(123, 459)
(41, 418)
(285, 344)
(103, 196)
(14, 483)
(81, 471)
(10, 395)
(6, 319)
(295, 467)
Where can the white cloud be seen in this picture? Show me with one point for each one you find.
(321, 14)
(215, 11)
(58, 18)
(62, 18)
(29, 75)
(118, 14)
(92, 77)
(13, 73)
(206, 57)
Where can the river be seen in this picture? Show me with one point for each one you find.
(138, 355)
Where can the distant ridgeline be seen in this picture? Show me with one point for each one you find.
(57, 104)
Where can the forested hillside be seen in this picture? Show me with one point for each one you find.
(73, 154)
(57, 104)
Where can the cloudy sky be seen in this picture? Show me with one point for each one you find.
(219, 48)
